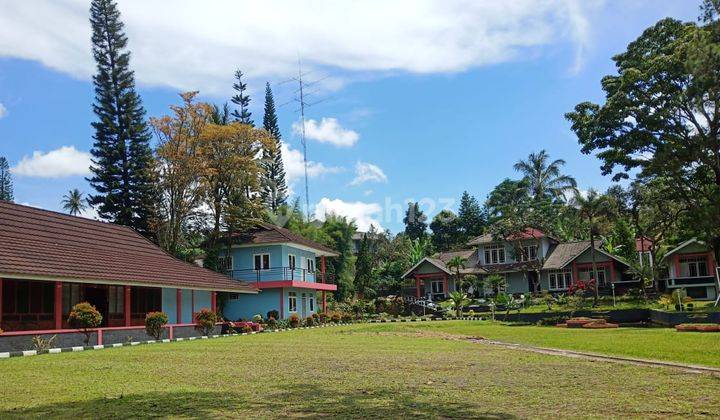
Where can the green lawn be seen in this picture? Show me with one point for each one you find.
(367, 370)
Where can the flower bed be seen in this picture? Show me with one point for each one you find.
(698, 327)
(585, 322)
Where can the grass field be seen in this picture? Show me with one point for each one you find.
(366, 370)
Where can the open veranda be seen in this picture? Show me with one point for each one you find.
(367, 370)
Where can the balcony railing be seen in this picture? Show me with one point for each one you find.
(690, 281)
(281, 274)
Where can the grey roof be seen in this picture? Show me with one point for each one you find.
(434, 261)
(564, 253)
(683, 245)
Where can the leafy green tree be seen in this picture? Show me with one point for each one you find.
(595, 208)
(73, 202)
(123, 167)
(459, 301)
(364, 286)
(446, 233)
(415, 222)
(274, 187)
(543, 177)
(505, 195)
(340, 231)
(470, 217)
(242, 100)
(660, 119)
(6, 184)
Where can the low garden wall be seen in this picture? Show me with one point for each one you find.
(671, 319)
(21, 341)
(617, 316)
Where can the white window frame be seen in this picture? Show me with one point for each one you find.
(602, 272)
(262, 268)
(442, 287)
(695, 261)
(292, 302)
(310, 262)
(527, 255)
(561, 278)
(292, 261)
(493, 254)
(223, 261)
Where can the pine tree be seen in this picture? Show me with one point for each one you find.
(364, 286)
(415, 222)
(6, 184)
(242, 100)
(274, 190)
(123, 174)
(470, 216)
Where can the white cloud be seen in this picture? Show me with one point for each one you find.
(367, 172)
(65, 161)
(3, 110)
(364, 214)
(192, 46)
(294, 169)
(328, 130)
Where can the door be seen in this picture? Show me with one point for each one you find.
(98, 297)
(303, 306)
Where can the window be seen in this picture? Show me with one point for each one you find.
(262, 261)
(312, 304)
(225, 263)
(586, 274)
(291, 261)
(28, 297)
(693, 267)
(529, 253)
(144, 300)
(311, 265)
(292, 301)
(494, 254)
(116, 300)
(437, 286)
(560, 279)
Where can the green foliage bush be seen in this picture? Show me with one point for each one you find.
(309, 321)
(154, 323)
(84, 316)
(335, 317)
(257, 318)
(246, 329)
(271, 323)
(294, 321)
(273, 314)
(205, 321)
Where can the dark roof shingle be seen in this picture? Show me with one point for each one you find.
(266, 233)
(42, 244)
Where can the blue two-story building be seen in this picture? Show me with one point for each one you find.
(288, 269)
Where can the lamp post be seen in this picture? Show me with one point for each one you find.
(612, 286)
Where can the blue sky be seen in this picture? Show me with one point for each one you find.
(419, 102)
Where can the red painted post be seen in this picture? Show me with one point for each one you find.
(100, 336)
(178, 298)
(574, 273)
(677, 265)
(170, 332)
(282, 302)
(128, 316)
(58, 305)
(612, 272)
(324, 301)
(417, 287)
(322, 269)
(213, 301)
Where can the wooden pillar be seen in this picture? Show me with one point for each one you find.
(213, 301)
(99, 336)
(127, 310)
(417, 287)
(445, 285)
(322, 269)
(612, 271)
(676, 258)
(58, 305)
(324, 301)
(574, 273)
(178, 298)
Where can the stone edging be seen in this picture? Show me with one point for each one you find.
(26, 353)
(383, 321)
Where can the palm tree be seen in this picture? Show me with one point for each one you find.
(457, 263)
(73, 202)
(495, 281)
(459, 300)
(593, 208)
(544, 178)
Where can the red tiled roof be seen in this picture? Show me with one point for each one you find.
(266, 233)
(42, 244)
(529, 233)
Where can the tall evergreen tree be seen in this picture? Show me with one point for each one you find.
(470, 216)
(122, 171)
(242, 100)
(6, 184)
(364, 285)
(415, 222)
(274, 190)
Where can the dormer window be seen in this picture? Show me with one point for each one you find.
(529, 253)
(494, 254)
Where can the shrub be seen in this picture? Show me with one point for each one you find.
(246, 329)
(294, 321)
(346, 317)
(335, 317)
(257, 318)
(322, 317)
(205, 321)
(309, 321)
(271, 323)
(84, 316)
(41, 344)
(154, 323)
(273, 314)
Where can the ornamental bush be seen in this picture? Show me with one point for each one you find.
(257, 318)
(322, 317)
(205, 321)
(335, 317)
(309, 321)
(273, 314)
(271, 323)
(84, 316)
(294, 321)
(154, 323)
(247, 329)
